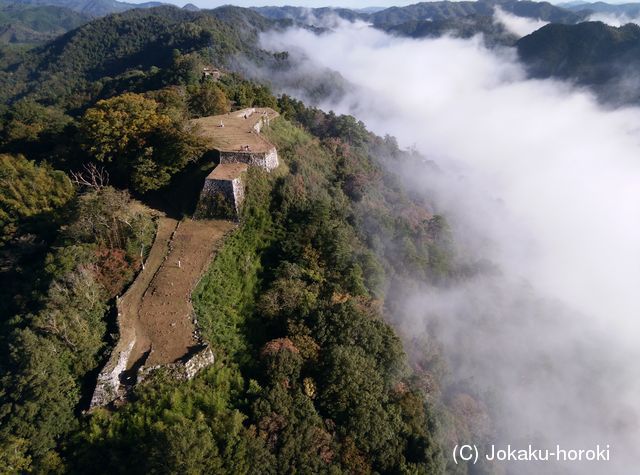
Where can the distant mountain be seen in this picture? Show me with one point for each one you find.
(369, 9)
(36, 24)
(590, 53)
(430, 11)
(310, 16)
(426, 19)
(92, 8)
(493, 32)
(587, 53)
(452, 10)
(630, 9)
(570, 5)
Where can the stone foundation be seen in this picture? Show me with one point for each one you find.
(267, 160)
(108, 387)
(184, 370)
(223, 192)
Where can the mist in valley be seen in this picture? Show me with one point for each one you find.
(614, 19)
(518, 25)
(535, 177)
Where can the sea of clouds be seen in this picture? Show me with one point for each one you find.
(536, 177)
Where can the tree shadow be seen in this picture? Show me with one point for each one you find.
(180, 197)
(129, 377)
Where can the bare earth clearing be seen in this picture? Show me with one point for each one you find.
(238, 131)
(160, 304)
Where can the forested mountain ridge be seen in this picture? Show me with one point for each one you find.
(302, 14)
(90, 8)
(433, 19)
(590, 53)
(493, 33)
(36, 24)
(630, 9)
(309, 376)
(448, 10)
(434, 11)
(124, 50)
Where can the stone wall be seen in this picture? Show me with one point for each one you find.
(108, 387)
(241, 113)
(264, 120)
(196, 363)
(186, 369)
(271, 159)
(267, 160)
(220, 199)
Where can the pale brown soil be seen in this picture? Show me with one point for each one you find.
(228, 171)
(163, 313)
(130, 303)
(237, 131)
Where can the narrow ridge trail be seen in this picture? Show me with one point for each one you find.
(165, 331)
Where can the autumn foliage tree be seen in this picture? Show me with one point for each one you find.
(142, 145)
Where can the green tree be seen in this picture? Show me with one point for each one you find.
(355, 397)
(41, 395)
(183, 445)
(13, 456)
(208, 99)
(29, 195)
(118, 127)
(141, 144)
(186, 69)
(28, 121)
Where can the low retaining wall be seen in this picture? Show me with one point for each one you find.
(183, 370)
(108, 387)
(267, 160)
(264, 120)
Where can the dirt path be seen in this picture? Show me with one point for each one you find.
(163, 312)
(130, 303)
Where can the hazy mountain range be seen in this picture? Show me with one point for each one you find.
(91, 8)
(36, 21)
(598, 52)
(346, 314)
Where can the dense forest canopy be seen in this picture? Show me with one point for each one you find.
(30, 25)
(309, 376)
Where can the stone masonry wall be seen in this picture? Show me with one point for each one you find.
(186, 369)
(220, 199)
(267, 160)
(108, 387)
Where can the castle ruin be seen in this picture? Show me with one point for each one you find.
(237, 139)
(223, 191)
(156, 321)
